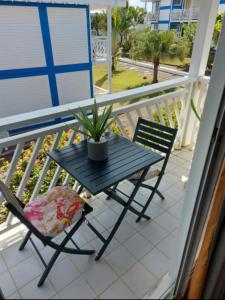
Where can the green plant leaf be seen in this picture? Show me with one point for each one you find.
(195, 110)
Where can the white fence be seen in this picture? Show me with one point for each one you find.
(99, 49)
(184, 14)
(29, 170)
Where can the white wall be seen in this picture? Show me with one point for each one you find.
(163, 26)
(22, 95)
(164, 15)
(165, 2)
(221, 8)
(22, 48)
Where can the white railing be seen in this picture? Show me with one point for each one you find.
(99, 48)
(181, 15)
(29, 170)
(152, 17)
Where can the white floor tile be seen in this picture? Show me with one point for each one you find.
(139, 280)
(56, 297)
(31, 291)
(100, 277)
(97, 244)
(83, 262)
(62, 274)
(154, 233)
(78, 289)
(29, 268)
(156, 262)
(167, 246)
(166, 203)
(118, 291)
(154, 210)
(12, 256)
(120, 260)
(176, 210)
(177, 160)
(7, 285)
(3, 267)
(138, 246)
(98, 207)
(14, 296)
(172, 178)
(124, 232)
(47, 253)
(175, 193)
(107, 218)
(167, 221)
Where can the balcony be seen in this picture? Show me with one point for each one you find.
(139, 250)
(99, 49)
(184, 15)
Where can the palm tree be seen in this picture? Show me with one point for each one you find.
(155, 45)
(99, 22)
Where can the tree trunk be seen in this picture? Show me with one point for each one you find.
(121, 39)
(155, 71)
(113, 64)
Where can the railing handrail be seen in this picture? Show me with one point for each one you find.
(35, 117)
(41, 132)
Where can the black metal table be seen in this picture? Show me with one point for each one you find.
(125, 159)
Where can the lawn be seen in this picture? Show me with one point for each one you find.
(123, 78)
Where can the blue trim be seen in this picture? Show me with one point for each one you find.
(165, 7)
(48, 54)
(17, 3)
(164, 22)
(72, 68)
(222, 1)
(90, 50)
(17, 73)
(40, 125)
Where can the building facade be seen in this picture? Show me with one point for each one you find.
(170, 14)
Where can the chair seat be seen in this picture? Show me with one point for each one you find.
(55, 210)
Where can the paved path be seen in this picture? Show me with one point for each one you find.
(165, 73)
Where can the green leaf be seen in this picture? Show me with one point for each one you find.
(195, 110)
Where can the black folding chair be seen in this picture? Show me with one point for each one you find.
(16, 207)
(158, 138)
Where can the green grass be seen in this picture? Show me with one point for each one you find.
(123, 78)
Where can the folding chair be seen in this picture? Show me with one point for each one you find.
(158, 138)
(58, 205)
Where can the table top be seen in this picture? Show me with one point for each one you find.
(125, 159)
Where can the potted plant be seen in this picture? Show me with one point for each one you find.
(94, 129)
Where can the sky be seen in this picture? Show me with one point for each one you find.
(139, 3)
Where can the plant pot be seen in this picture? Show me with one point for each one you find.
(97, 151)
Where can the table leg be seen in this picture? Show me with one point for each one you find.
(121, 217)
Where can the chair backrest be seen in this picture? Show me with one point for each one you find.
(155, 136)
(11, 200)
(16, 207)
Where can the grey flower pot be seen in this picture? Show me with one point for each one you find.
(97, 151)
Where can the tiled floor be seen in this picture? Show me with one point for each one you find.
(137, 258)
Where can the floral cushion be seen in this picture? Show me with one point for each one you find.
(55, 210)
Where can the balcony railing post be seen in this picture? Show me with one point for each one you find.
(109, 48)
(207, 17)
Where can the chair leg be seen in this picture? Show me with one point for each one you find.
(48, 268)
(25, 240)
(113, 189)
(154, 190)
(60, 249)
(160, 195)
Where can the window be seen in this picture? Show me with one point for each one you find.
(176, 2)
